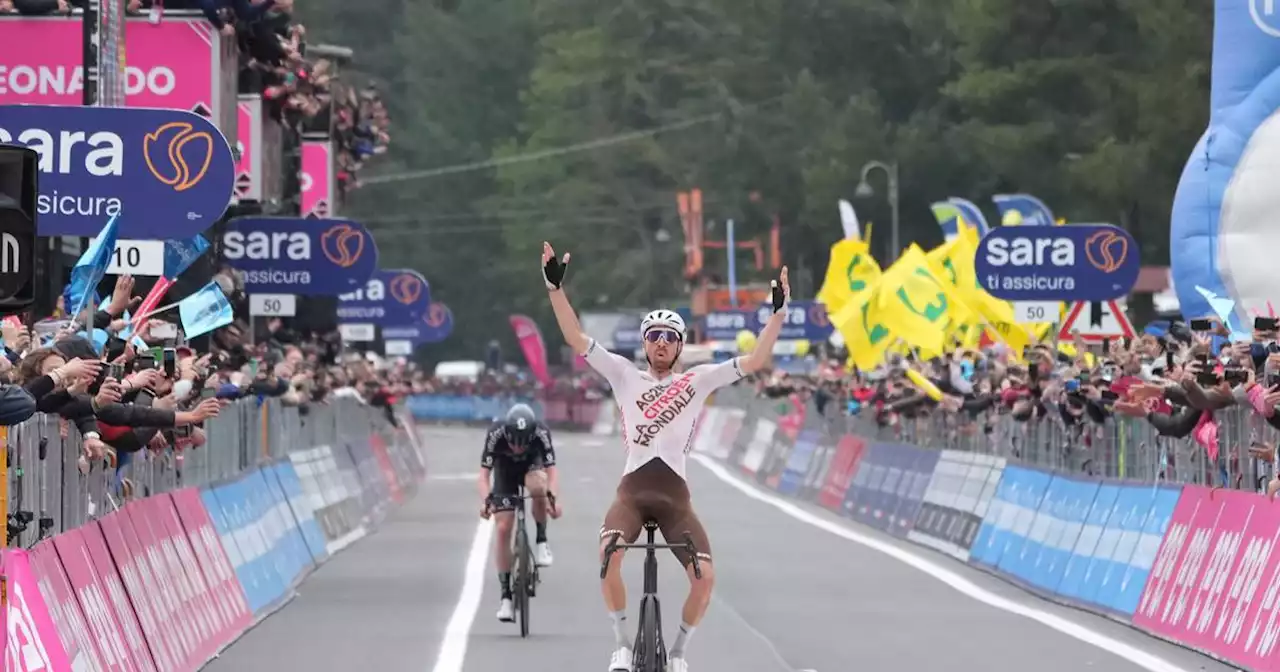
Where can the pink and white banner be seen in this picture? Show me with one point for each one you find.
(318, 184)
(219, 576)
(64, 609)
(99, 611)
(31, 641)
(173, 64)
(248, 144)
(535, 349)
(1214, 579)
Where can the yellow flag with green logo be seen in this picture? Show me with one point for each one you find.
(867, 339)
(913, 303)
(850, 271)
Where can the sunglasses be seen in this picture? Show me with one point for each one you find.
(661, 336)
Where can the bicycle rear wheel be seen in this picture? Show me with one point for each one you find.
(522, 587)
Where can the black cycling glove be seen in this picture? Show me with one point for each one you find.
(553, 273)
(779, 297)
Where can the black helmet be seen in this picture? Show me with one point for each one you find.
(521, 424)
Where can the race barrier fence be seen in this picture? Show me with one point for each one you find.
(1188, 563)
(160, 563)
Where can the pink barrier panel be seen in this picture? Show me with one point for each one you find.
(109, 579)
(1214, 582)
(220, 623)
(219, 575)
(167, 594)
(142, 586)
(32, 641)
(60, 600)
(104, 624)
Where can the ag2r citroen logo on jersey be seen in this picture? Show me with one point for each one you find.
(661, 405)
(286, 255)
(172, 168)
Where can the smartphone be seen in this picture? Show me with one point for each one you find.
(1168, 361)
(1202, 324)
(1235, 376)
(102, 377)
(1073, 386)
(144, 362)
(170, 362)
(1207, 379)
(117, 371)
(183, 432)
(1106, 344)
(1266, 323)
(208, 392)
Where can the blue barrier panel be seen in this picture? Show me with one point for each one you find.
(1124, 599)
(1032, 488)
(861, 487)
(291, 544)
(1133, 507)
(1072, 584)
(229, 508)
(464, 408)
(911, 494)
(1115, 546)
(227, 537)
(798, 464)
(871, 500)
(1068, 515)
(312, 535)
(1012, 510)
(257, 527)
(897, 480)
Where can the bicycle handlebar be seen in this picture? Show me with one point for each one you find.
(488, 501)
(688, 546)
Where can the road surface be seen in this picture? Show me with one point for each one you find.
(792, 594)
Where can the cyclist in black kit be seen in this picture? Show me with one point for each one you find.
(519, 448)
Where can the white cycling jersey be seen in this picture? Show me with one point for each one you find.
(658, 416)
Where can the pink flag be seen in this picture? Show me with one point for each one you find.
(535, 349)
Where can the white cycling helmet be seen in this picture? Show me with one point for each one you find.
(663, 318)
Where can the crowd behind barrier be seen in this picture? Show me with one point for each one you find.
(160, 563)
(1142, 529)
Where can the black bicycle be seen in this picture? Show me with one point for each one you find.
(524, 570)
(650, 651)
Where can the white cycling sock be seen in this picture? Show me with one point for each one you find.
(682, 640)
(619, 628)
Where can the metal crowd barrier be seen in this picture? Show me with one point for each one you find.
(50, 489)
(1122, 447)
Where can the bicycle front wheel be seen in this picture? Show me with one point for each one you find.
(522, 587)
(648, 654)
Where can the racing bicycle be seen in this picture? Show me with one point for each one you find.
(650, 651)
(524, 571)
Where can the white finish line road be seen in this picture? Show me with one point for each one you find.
(797, 589)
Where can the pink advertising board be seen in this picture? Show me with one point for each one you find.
(249, 144)
(109, 579)
(138, 580)
(318, 184)
(104, 627)
(174, 64)
(64, 609)
(31, 640)
(1213, 583)
(187, 570)
(171, 602)
(219, 574)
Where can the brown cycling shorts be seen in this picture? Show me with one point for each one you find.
(655, 492)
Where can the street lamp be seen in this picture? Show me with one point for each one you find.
(865, 190)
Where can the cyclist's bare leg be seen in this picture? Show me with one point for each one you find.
(695, 607)
(506, 522)
(535, 482)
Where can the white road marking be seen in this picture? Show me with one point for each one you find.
(1129, 652)
(455, 477)
(453, 648)
(593, 443)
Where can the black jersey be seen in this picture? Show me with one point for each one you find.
(497, 448)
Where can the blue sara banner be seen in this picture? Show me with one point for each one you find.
(287, 255)
(805, 320)
(1079, 262)
(390, 297)
(433, 326)
(172, 169)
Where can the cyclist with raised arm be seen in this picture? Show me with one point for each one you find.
(519, 449)
(659, 407)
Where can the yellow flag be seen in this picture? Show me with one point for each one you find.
(867, 339)
(850, 271)
(913, 303)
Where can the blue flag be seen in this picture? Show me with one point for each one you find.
(205, 311)
(91, 267)
(179, 254)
